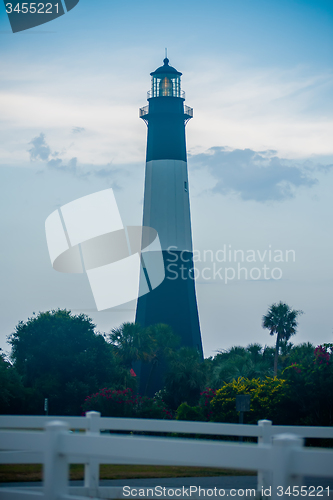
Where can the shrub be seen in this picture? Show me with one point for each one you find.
(322, 355)
(310, 388)
(124, 403)
(112, 403)
(186, 412)
(269, 400)
(204, 402)
(152, 408)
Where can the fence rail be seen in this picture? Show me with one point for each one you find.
(278, 456)
(93, 421)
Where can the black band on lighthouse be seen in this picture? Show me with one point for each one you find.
(166, 130)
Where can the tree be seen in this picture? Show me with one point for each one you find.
(249, 362)
(112, 403)
(163, 343)
(185, 378)
(12, 394)
(310, 381)
(269, 400)
(60, 357)
(144, 349)
(130, 343)
(302, 353)
(282, 321)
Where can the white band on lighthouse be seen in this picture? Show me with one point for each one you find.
(121, 263)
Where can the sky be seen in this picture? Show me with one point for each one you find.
(259, 76)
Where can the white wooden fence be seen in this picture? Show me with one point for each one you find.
(279, 456)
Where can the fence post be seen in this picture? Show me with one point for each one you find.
(91, 469)
(55, 466)
(281, 463)
(264, 477)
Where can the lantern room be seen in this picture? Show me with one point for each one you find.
(165, 82)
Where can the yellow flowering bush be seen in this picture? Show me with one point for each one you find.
(269, 400)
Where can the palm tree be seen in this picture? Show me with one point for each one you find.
(130, 343)
(282, 320)
(163, 343)
(302, 353)
(238, 362)
(185, 378)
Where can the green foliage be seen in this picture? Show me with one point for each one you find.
(12, 394)
(252, 361)
(310, 387)
(163, 343)
(303, 396)
(185, 377)
(282, 321)
(130, 343)
(152, 346)
(204, 402)
(124, 403)
(186, 412)
(152, 408)
(269, 400)
(59, 357)
(293, 354)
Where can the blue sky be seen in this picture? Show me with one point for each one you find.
(259, 76)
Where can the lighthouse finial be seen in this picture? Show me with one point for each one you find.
(166, 60)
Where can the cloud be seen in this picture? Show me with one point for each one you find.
(107, 171)
(58, 164)
(255, 107)
(40, 150)
(55, 163)
(320, 168)
(260, 176)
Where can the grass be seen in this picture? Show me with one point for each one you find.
(33, 472)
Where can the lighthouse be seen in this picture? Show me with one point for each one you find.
(167, 209)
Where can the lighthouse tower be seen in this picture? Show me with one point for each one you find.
(167, 209)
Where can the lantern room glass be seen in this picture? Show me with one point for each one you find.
(165, 85)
